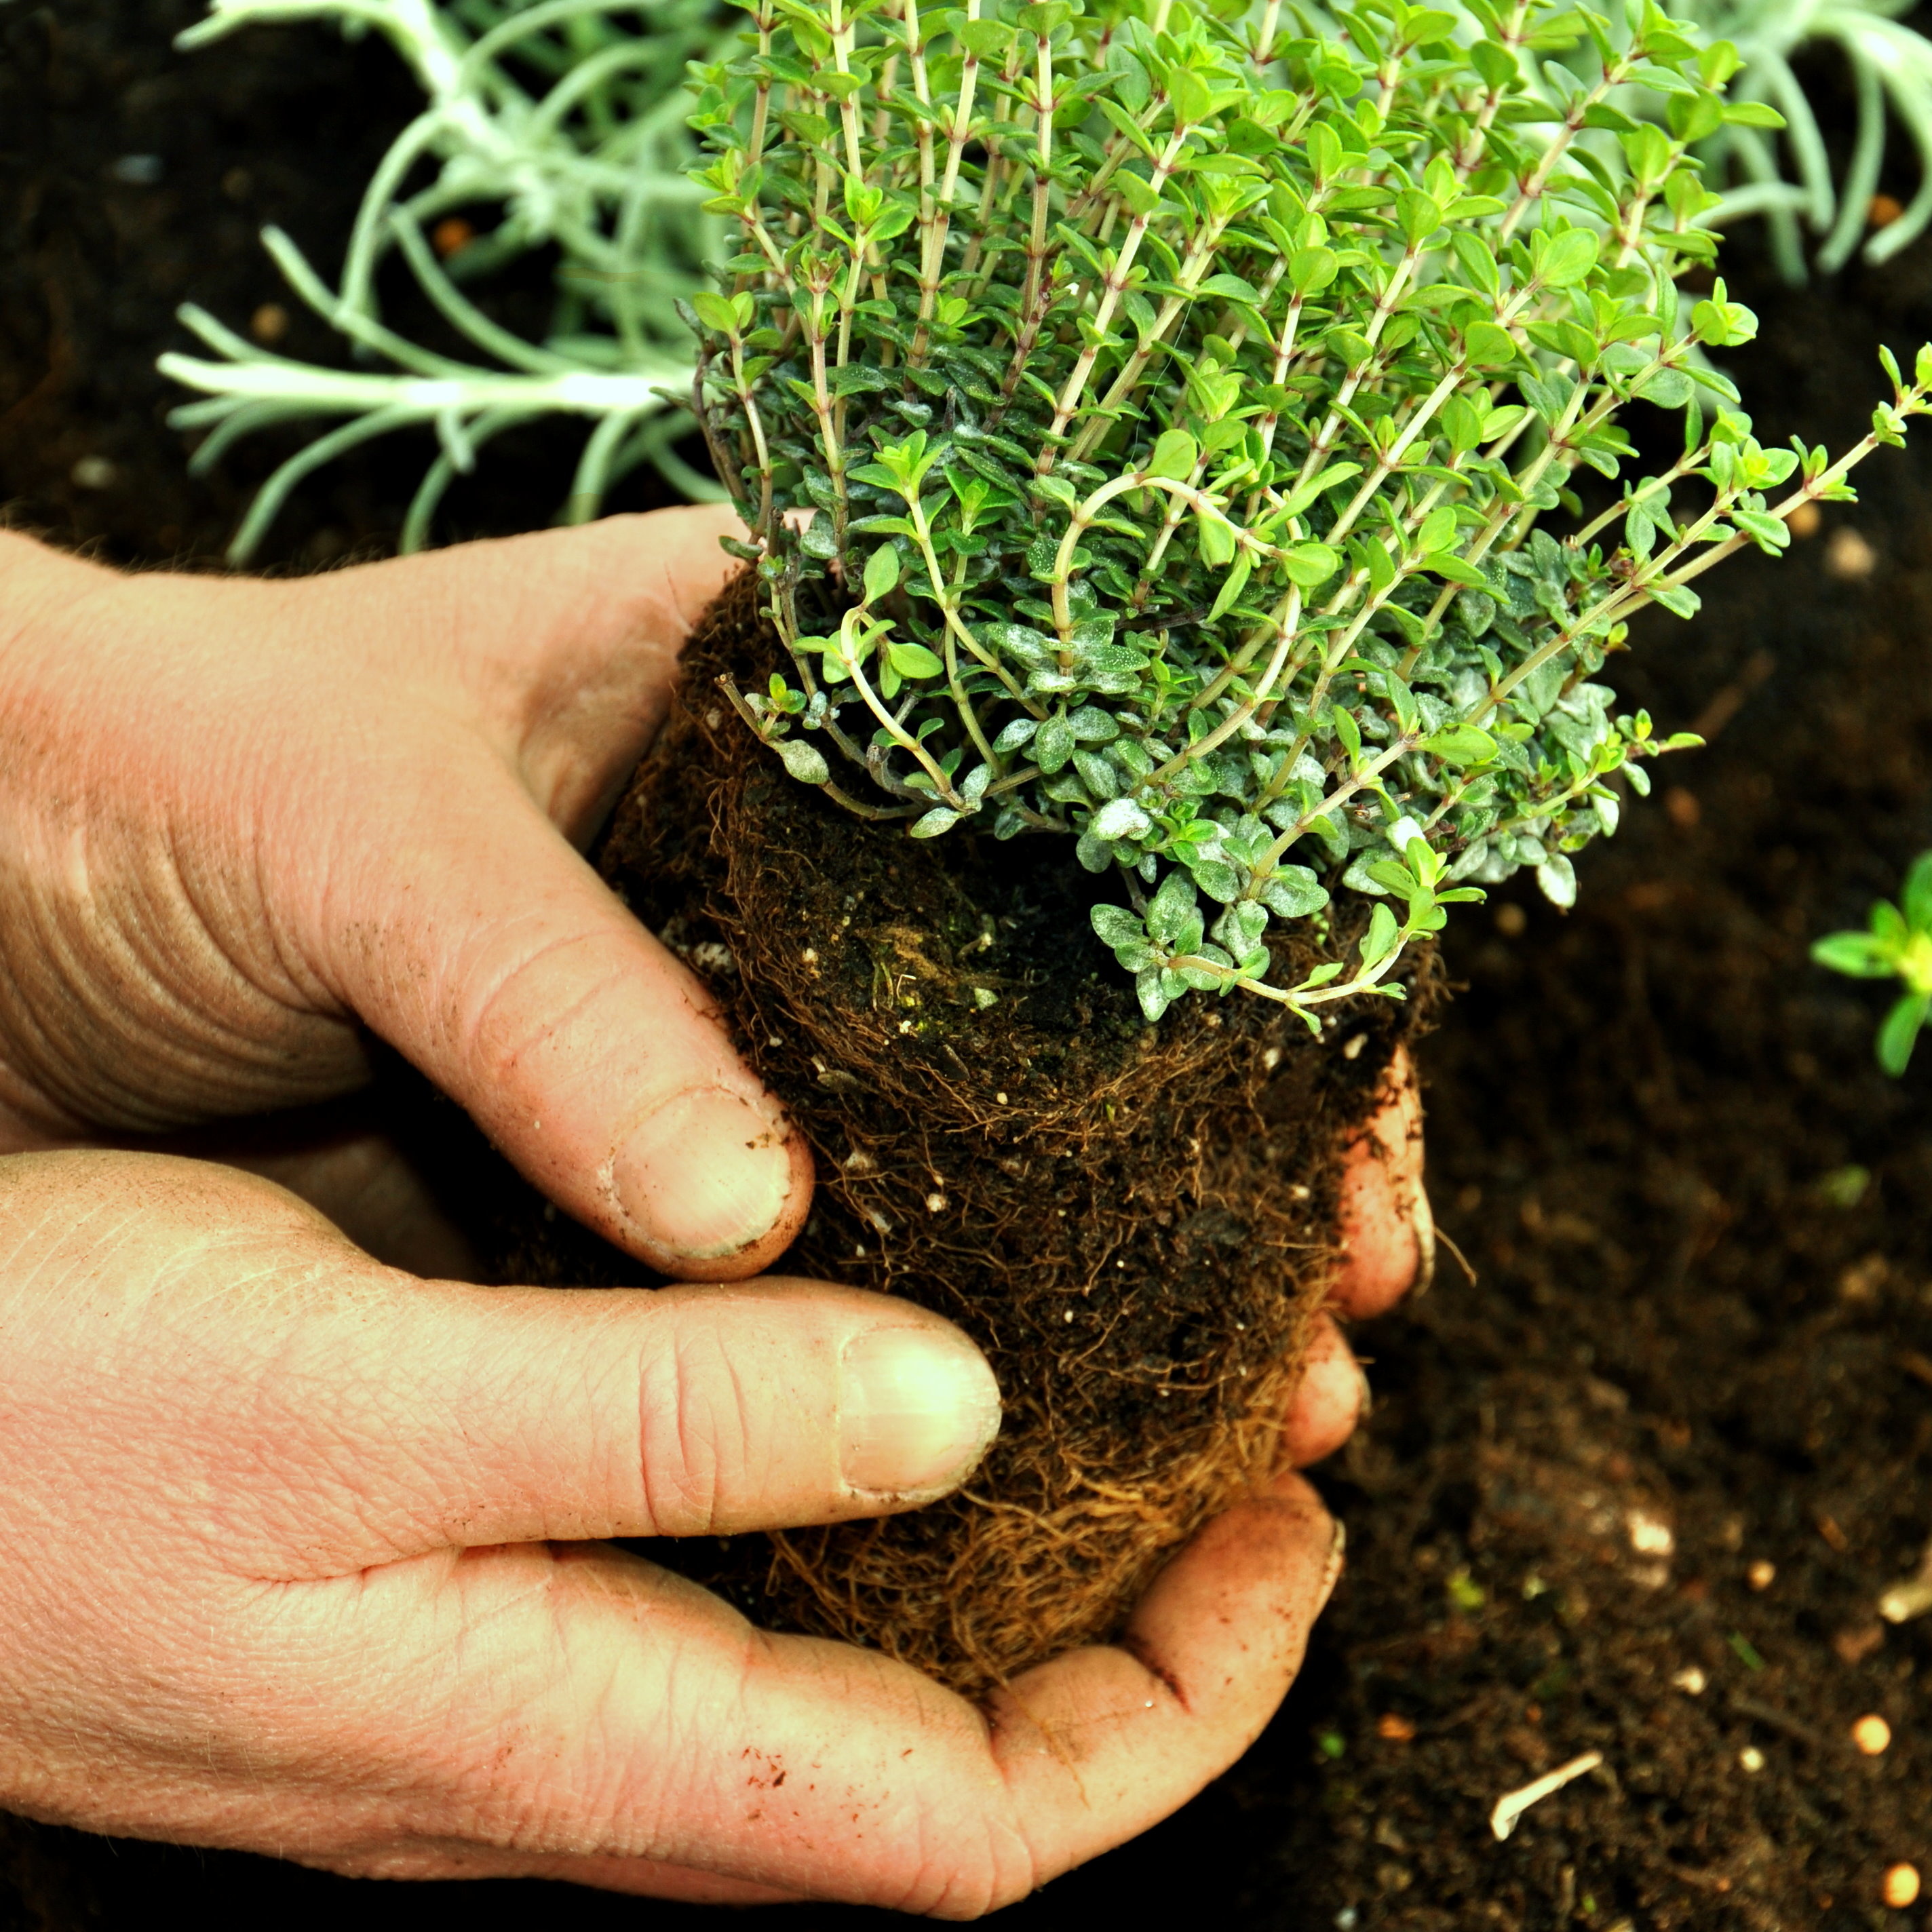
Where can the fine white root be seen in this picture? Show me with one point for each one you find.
(1512, 1805)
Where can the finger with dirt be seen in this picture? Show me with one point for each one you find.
(1387, 1232)
(1331, 1400)
(348, 804)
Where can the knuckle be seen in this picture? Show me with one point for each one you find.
(696, 1444)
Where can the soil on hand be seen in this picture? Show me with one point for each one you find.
(1135, 1222)
(1644, 1119)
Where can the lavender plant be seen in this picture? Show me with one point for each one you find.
(1145, 415)
(555, 124)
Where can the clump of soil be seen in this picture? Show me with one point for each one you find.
(1135, 1222)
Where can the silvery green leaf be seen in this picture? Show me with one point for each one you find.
(1018, 732)
(933, 822)
(806, 763)
(1009, 824)
(1053, 744)
(1529, 850)
(1357, 878)
(1121, 818)
(1154, 998)
(973, 787)
(1018, 640)
(1241, 927)
(1608, 808)
(1099, 773)
(1049, 683)
(1095, 854)
(1171, 907)
(1558, 878)
(1293, 892)
(1093, 726)
(1215, 878)
(1115, 925)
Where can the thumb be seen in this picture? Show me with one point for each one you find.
(473, 938)
(481, 1417)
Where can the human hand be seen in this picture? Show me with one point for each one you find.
(241, 822)
(294, 1557)
(212, 896)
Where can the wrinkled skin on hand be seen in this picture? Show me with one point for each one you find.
(302, 1552)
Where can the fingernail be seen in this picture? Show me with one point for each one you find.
(1422, 1219)
(1338, 1555)
(706, 1175)
(917, 1409)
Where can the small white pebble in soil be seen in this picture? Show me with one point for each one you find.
(1353, 1050)
(1511, 920)
(1649, 1535)
(935, 1203)
(1001, 1098)
(1848, 556)
(1761, 1574)
(1271, 1058)
(1069, 1315)
(810, 955)
(1750, 1759)
(1690, 1680)
(93, 473)
(1871, 1734)
(1900, 1888)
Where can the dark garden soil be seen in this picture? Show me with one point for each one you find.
(1700, 1219)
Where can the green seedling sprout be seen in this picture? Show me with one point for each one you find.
(1897, 945)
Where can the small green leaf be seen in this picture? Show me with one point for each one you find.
(911, 660)
(1378, 942)
(933, 822)
(1310, 565)
(1859, 955)
(806, 763)
(716, 312)
(1232, 585)
(1217, 539)
(1899, 1034)
(1175, 456)
(882, 573)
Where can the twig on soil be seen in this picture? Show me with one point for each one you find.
(1772, 1718)
(1512, 1805)
(1463, 1260)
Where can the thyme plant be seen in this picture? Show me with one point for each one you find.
(1896, 945)
(557, 124)
(1145, 416)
